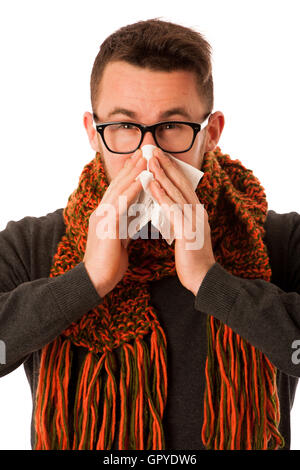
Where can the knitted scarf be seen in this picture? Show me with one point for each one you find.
(123, 378)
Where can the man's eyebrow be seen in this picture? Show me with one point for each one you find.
(164, 115)
(170, 112)
(127, 112)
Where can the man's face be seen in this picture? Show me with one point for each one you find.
(135, 94)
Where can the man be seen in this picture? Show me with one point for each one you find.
(146, 345)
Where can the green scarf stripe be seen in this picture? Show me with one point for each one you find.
(124, 409)
(225, 418)
(210, 367)
(137, 378)
(240, 392)
(146, 357)
(261, 400)
(207, 428)
(92, 385)
(49, 408)
(135, 388)
(62, 372)
(155, 371)
(126, 397)
(82, 411)
(75, 418)
(162, 347)
(54, 435)
(111, 364)
(226, 368)
(252, 397)
(108, 421)
(96, 406)
(44, 401)
(52, 413)
(247, 391)
(217, 432)
(148, 396)
(237, 353)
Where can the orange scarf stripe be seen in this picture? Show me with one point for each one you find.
(62, 417)
(87, 397)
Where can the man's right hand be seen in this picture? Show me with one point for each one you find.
(106, 259)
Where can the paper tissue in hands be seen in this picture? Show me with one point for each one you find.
(148, 208)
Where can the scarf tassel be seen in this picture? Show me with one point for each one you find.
(142, 396)
(241, 406)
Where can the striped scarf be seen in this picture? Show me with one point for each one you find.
(123, 381)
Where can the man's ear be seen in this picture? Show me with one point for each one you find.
(91, 131)
(214, 130)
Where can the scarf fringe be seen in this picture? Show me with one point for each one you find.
(241, 406)
(142, 397)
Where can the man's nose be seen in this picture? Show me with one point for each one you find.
(148, 139)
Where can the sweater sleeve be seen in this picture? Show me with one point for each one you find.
(35, 309)
(265, 314)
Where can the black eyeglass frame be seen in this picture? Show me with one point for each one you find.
(194, 125)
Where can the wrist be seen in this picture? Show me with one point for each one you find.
(101, 287)
(199, 279)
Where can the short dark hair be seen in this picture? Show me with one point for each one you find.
(157, 45)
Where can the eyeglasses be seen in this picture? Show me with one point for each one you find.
(170, 136)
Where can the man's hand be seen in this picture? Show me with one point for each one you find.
(106, 259)
(172, 187)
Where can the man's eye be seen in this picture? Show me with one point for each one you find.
(169, 126)
(126, 126)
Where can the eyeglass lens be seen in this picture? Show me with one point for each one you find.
(172, 137)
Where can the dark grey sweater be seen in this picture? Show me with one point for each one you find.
(34, 309)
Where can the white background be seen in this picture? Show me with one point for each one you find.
(47, 52)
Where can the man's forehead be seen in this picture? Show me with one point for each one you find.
(133, 91)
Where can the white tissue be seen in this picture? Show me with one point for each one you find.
(151, 210)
